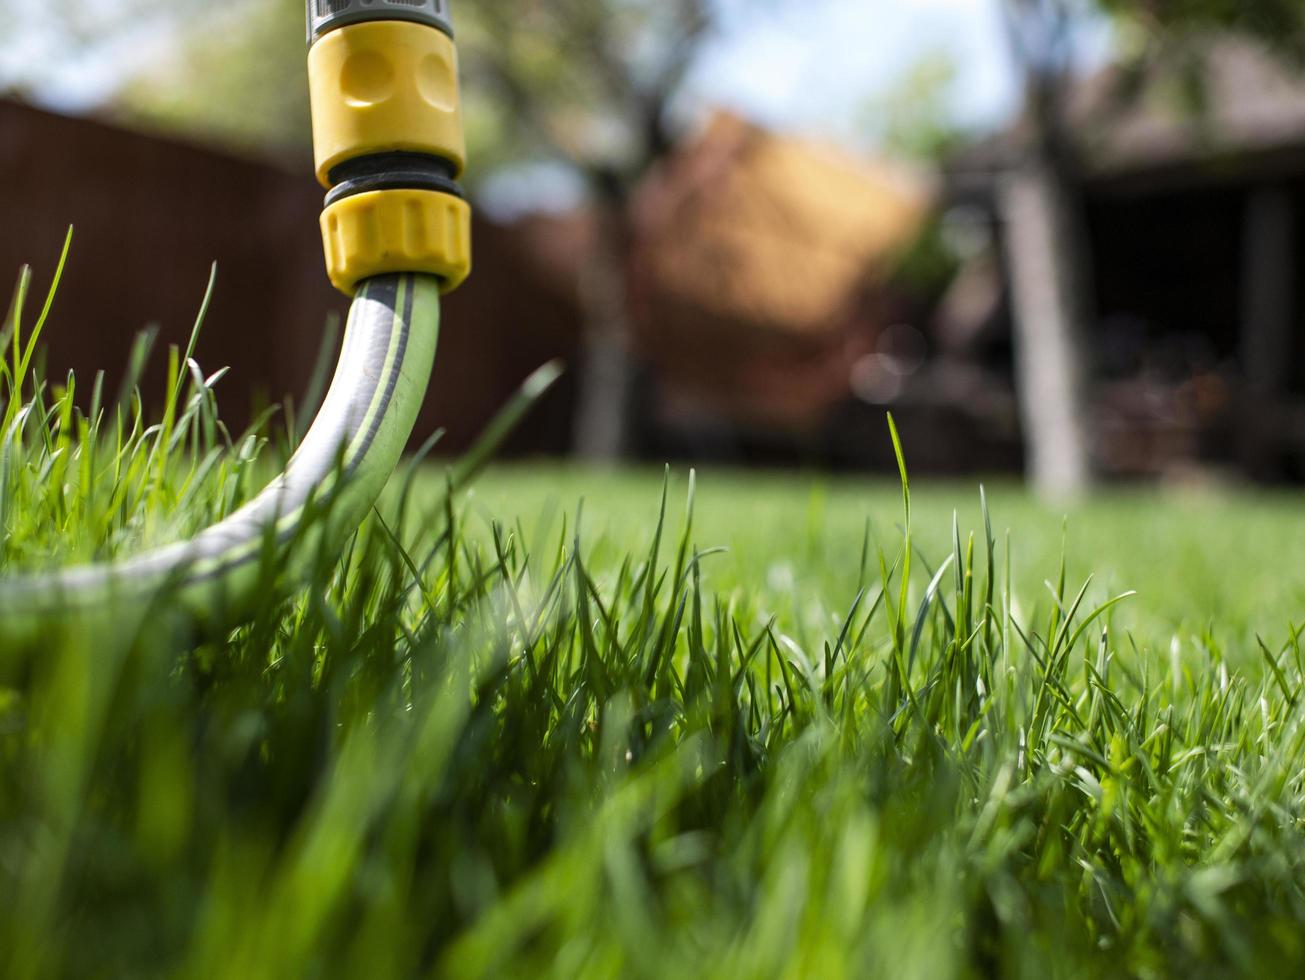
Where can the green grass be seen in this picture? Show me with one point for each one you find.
(508, 734)
(1218, 557)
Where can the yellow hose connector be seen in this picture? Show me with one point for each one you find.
(388, 143)
(382, 86)
(398, 230)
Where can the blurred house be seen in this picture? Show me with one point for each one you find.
(151, 216)
(1195, 211)
(763, 286)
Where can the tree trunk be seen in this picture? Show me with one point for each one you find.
(1043, 243)
(1047, 255)
(603, 423)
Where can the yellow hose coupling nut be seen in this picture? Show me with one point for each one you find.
(398, 230)
(388, 140)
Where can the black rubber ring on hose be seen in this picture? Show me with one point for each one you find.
(392, 171)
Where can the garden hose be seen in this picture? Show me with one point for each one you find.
(387, 137)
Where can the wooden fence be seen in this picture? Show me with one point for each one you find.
(151, 215)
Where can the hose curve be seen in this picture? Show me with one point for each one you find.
(321, 497)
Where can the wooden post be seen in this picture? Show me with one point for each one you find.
(603, 422)
(1051, 361)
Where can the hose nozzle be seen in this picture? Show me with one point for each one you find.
(388, 139)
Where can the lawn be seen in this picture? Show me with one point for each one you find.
(737, 725)
(1199, 557)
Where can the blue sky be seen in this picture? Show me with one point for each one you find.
(813, 64)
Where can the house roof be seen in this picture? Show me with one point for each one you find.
(1248, 109)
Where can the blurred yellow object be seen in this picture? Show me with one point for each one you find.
(398, 230)
(384, 86)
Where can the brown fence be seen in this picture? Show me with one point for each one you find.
(151, 215)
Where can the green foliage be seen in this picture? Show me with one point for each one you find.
(912, 120)
(1166, 46)
(1280, 23)
(237, 76)
(587, 81)
(478, 745)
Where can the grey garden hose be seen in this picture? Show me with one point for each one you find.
(333, 478)
(396, 232)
